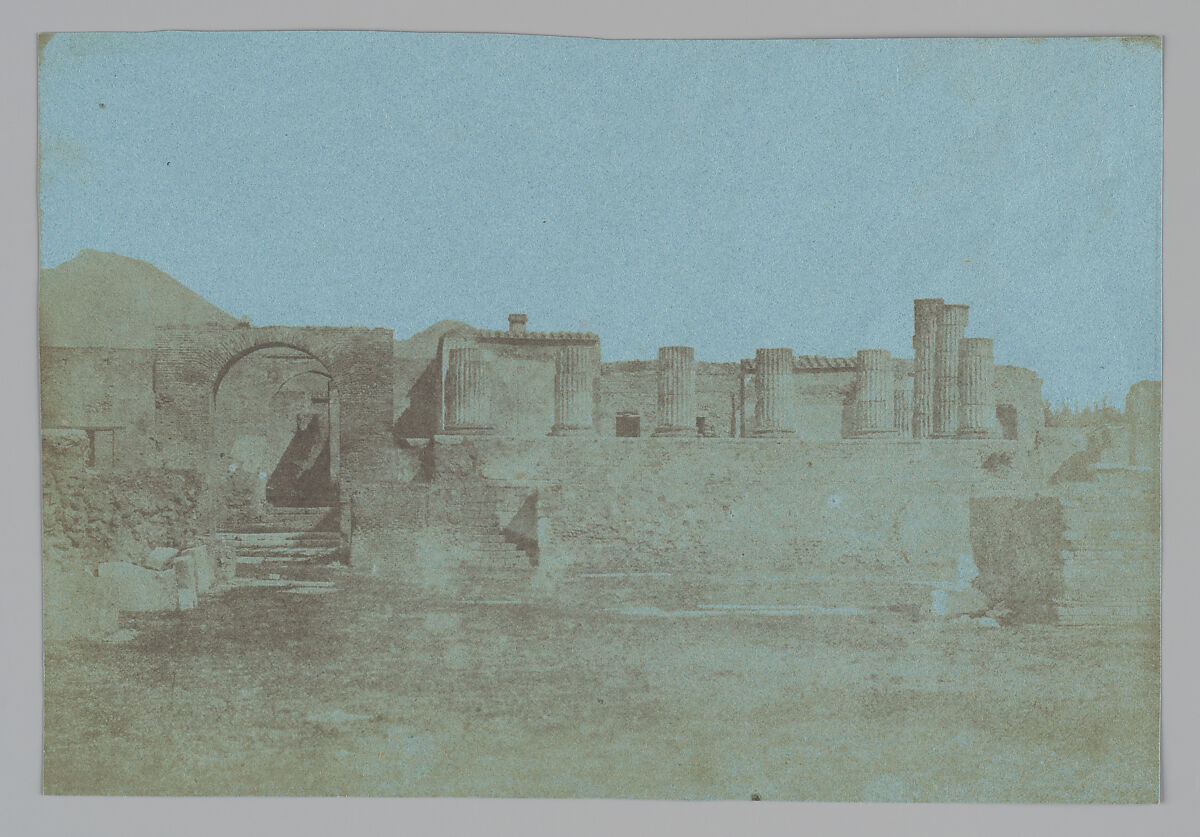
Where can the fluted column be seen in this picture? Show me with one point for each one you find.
(775, 392)
(468, 393)
(903, 400)
(874, 399)
(572, 391)
(925, 320)
(952, 322)
(676, 391)
(976, 388)
(1143, 410)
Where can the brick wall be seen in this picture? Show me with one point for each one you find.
(848, 523)
(188, 362)
(99, 387)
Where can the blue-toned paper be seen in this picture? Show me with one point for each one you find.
(499, 415)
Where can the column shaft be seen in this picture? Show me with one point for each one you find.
(572, 391)
(775, 392)
(874, 400)
(925, 322)
(952, 322)
(976, 388)
(676, 391)
(468, 392)
(904, 407)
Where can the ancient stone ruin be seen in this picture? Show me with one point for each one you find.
(532, 467)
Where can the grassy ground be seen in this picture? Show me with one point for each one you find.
(380, 689)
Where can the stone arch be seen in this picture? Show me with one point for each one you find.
(293, 444)
(191, 361)
(243, 353)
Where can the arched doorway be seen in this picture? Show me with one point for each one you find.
(275, 421)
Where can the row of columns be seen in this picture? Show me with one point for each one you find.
(953, 383)
(468, 394)
(918, 405)
(885, 406)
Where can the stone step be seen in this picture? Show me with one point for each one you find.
(284, 559)
(294, 538)
(281, 528)
(290, 553)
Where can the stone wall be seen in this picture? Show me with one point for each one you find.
(189, 362)
(92, 516)
(838, 524)
(1018, 545)
(100, 387)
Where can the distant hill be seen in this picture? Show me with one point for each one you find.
(424, 344)
(102, 299)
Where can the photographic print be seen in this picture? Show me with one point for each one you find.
(433, 415)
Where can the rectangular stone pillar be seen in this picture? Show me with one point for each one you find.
(1143, 411)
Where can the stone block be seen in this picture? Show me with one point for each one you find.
(187, 592)
(78, 606)
(140, 589)
(204, 564)
(159, 558)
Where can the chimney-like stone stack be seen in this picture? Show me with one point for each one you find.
(516, 324)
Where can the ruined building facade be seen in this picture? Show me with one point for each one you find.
(853, 480)
(525, 384)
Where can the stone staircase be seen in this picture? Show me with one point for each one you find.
(1111, 566)
(491, 565)
(286, 535)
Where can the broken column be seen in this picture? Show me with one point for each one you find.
(903, 400)
(976, 388)
(572, 391)
(468, 392)
(1143, 410)
(874, 394)
(676, 391)
(775, 392)
(925, 320)
(951, 323)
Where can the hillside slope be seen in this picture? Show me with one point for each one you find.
(106, 300)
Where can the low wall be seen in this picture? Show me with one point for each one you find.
(838, 524)
(90, 517)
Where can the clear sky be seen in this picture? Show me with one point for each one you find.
(721, 194)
